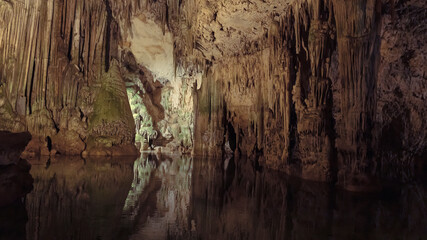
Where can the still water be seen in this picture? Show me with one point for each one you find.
(181, 197)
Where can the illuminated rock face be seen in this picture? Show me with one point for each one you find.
(322, 89)
(60, 75)
(63, 74)
(278, 97)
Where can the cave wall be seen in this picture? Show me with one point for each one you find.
(322, 89)
(401, 113)
(64, 65)
(163, 99)
(60, 75)
(313, 96)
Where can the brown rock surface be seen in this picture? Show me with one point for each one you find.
(58, 56)
(68, 143)
(326, 90)
(303, 98)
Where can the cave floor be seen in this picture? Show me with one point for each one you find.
(184, 197)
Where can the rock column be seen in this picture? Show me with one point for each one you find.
(313, 96)
(358, 26)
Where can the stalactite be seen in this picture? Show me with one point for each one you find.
(274, 82)
(266, 87)
(290, 106)
(66, 47)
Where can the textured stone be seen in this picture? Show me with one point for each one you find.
(326, 90)
(68, 143)
(303, 97)
(67, 55)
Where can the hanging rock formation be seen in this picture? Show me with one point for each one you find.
(60, 74)
(304, 97)
(326, 90)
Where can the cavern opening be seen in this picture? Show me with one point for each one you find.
(159, 93)
(213, 119)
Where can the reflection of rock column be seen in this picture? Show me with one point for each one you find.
(15, 182)
(358, 26)
(142, 170)
(315, 128)
(77, 199)
(158, 207)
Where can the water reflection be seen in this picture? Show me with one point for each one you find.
(269, 205)
(77, 199)
(157, 204)
(173, 197)
(15, 183)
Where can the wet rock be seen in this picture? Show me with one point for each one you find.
(36, 147)
(15, 179)
(11, 146)
(65, 64)
(67, 143)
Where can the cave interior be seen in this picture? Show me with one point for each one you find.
(213, 119)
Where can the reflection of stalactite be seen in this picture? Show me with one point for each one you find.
(72, 195)
(142, 170)
(160, 190)
(269, 205)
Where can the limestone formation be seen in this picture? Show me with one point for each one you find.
(326, 90)
(303, 97)
(58, 68)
